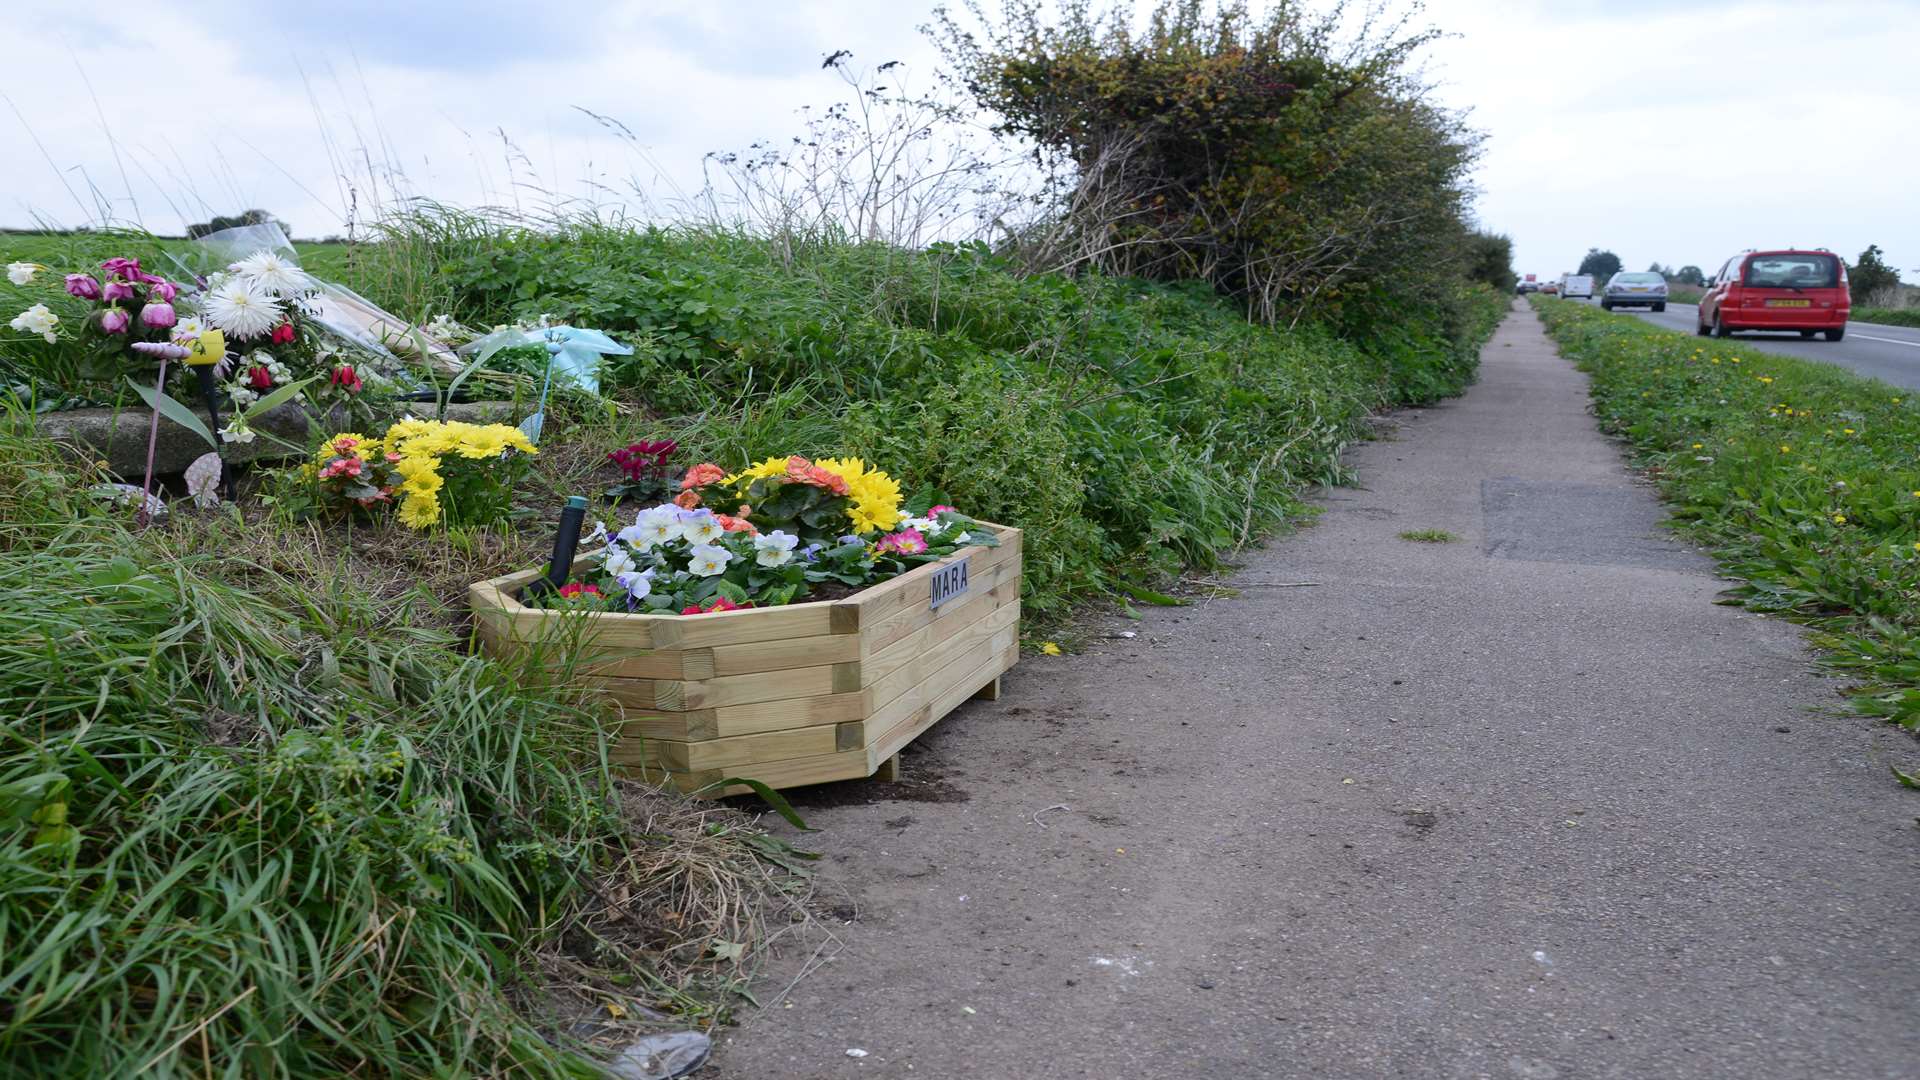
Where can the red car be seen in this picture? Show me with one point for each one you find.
(1778, 290)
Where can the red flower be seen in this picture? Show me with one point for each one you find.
(260, 378)
(574, 588)
(346, 378)
(283, 333)
(720, 603)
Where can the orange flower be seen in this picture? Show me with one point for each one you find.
(797, 467)
(687, 500)
(832, 481)
(735, 525)
(703, 474)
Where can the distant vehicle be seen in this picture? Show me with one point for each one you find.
(1637, 289)
(1551, 288)
(1790, 289)
(1572, 285)
(1526, 287)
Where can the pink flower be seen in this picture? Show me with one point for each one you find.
(158, 315)
(83, 286)
(114, 320)
(165, 290)
(904, 542)
(573, 589)
(283, 333)
(259, 378)
(128, 269)
(116, 290)
(938, 510)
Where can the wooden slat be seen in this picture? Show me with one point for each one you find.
(927, 661)
(680, 695)
(963, 688)
(994, 586)
(915, 699)
(781, 655)
(681, 726)
(878, 666)
(793, 772)
(733, 753)
(740, 627)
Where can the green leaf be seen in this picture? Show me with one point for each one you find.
(1148, 596)
(259, 408)
(769, 796)
(1906, 779)
(158, 401)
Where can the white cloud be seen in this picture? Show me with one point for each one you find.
(1677, 135)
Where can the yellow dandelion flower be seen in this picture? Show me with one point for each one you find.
(1785, 449)
(1699, 446)
(1050, 649)
(1847, 430)
(1766, 379)
(1839, 519)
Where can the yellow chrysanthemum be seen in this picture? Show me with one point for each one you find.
(420, 473)
(420, 511)
(773, 466)
(875, 495)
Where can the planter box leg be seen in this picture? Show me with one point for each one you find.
(989, 692)
(889, 769)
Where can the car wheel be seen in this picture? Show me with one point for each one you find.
(1604, 306)
(1720, 327)
(1700, 328)
(1807, 335)
(1836, 335)
(1659, 307)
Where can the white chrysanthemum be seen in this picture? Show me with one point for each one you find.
(241, 308)
(273, 273)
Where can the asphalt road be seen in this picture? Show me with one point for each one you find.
(1888, 353)
(1526, 805)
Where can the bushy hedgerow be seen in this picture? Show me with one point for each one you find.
(1134, 429)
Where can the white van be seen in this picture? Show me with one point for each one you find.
(1580, 285)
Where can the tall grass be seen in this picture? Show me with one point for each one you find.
(256, 825)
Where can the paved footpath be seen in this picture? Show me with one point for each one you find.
(1526, 805)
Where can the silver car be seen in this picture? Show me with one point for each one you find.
(1635, 290)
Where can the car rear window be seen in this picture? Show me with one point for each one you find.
(1792, 272)
(1638, 279)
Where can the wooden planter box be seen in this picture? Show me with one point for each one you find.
(793, 695)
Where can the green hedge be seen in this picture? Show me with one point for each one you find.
(1799, 475)
(1887, 316)
(1133, 429)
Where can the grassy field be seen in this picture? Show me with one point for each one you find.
(1800, 476)
(1887, 316)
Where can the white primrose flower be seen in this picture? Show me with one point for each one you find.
(700, 527)
(22, 273)
(242, 309)
(655, 526)
(924, 524)
(597, 536)
(37, 320)
(774, 548)
(618, 562)
(709, 559)
(273, 273)
(638, 585)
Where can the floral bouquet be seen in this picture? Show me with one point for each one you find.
(433, 472)
(126, 307)
(767, 536)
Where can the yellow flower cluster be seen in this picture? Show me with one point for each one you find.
(876, 496)
(472, 441)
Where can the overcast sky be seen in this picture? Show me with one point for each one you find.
(1672, 135)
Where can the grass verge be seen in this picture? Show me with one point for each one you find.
(1886, 316)
(257, 819)
(1799, 475)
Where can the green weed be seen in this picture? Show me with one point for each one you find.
(1429, 536)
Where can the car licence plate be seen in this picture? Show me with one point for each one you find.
(1636, 288)
(1789, 303)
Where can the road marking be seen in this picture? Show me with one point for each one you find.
(1888, 340)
